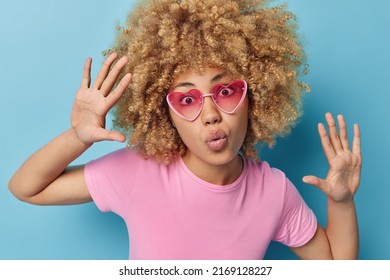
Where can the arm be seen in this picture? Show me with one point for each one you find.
(340, 239)
(45, 177)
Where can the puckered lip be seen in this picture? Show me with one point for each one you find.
(215, 135)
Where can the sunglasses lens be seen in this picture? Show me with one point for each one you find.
(186, 104)
(229, 97)
(189, 104)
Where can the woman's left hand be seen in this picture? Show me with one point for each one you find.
(343, 178)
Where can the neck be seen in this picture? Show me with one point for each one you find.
(222, 174)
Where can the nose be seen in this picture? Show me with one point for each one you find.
(210, 113)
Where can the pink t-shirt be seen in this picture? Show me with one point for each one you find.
(172, 214)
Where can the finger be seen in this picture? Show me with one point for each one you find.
(86, 79)
(325, 142)
(119, 90)
(343, 132)
(334, 138)
(317, 182)
(113, 76)
(104, 71)
(356, 140)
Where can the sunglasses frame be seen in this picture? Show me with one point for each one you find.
(212, 95)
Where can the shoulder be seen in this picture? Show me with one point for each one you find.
(270, 180)
(264, 170)
(120, 158)
(125, 162)
(116, 162)
(121, 154)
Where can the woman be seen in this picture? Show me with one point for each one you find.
(209, 80)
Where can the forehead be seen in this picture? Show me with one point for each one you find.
(209, 74)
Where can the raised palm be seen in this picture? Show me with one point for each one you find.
(92, 103)
(343, 178)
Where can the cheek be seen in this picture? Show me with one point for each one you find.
(183, 127)
(242, 130)
(241, 122)
(242, 115)
(172, 116)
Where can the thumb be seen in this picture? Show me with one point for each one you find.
(105, 134)
(116, 136)
(315, 181)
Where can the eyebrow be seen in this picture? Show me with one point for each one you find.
(213, 80)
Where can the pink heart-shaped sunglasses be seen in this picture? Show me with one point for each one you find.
(227, 98)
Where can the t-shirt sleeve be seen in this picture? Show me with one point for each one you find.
(298, 223)
(109, 181)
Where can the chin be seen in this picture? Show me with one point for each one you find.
(220, 158)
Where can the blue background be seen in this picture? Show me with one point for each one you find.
(43, 47)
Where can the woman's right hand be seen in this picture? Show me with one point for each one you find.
(92, 104)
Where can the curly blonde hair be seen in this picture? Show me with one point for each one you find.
(254, 42)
